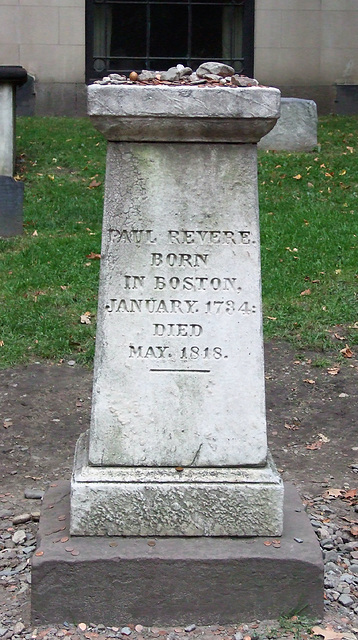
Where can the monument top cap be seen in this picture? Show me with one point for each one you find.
(12, 74)
(161, 113)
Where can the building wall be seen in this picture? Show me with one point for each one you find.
(304, 47)
(47, 37)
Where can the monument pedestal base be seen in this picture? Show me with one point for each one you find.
(11, 206)
(195, 501)
(171, 581)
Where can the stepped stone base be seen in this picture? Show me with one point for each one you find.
(171, 581)
(150, 501)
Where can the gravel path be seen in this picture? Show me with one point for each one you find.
(311, 427)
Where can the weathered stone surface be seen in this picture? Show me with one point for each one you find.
(11, 206)
(217, 68)
(171, 75)
(179, 377)
(296, 130)
(11, 76)
(210, 580)
(178, 397)
(146, 74)
(184, 71)
(183, 113)
(141, 501)
(7, 129)
(243, 81)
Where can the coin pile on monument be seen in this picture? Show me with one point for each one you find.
(208, 74)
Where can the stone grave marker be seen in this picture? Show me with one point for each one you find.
(173, 487)
(179, 380)
(11, 191)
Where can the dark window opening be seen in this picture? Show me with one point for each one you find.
(131, 35)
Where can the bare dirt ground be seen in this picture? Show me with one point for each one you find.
(312, 430)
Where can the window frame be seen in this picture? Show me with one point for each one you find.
(247, 58)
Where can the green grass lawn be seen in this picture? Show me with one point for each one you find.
(49, 276)
(309, 229)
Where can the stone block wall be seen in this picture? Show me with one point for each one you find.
(47, 37)
(304, 47)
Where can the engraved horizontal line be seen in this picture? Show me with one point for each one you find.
(186, 370)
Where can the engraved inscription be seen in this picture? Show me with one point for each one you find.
(151, 305)
(134, 236)
(185, 354)
(179, 260)
(181, 236)
(147, 352)
(184, 330)
(162, 296)
(208, 237)
(191, 283)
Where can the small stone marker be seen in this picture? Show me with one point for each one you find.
(10, 78)
(11, 191)
(296, 130)
(11, 206)
(179, 380)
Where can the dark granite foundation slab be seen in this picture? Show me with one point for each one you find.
(11, 206)
(166, 581)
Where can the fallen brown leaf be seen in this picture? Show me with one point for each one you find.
(86, 318)
(346, 352)
(94, 183)
(315, 445)
(351, 493)
(309, 381)
(333, 371)
(328, 633)
(291, 427)
(332, 493)
(306, 292)
(94, 256)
